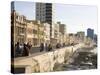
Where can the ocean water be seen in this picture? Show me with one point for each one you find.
(81, 60)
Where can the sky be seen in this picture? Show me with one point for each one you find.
(76, 17)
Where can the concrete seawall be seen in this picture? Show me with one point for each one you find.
(44, 61)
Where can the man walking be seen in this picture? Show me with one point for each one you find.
(41, 47)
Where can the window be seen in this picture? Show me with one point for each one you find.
(34, 31)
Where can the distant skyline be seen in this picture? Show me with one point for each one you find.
(76, 17)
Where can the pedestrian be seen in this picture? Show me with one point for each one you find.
(72, 49)
(17, 50)
(26, 50)
(21, 48)
(41, 47)
(57, 45)
(46, 47)
(49, 47)
(29, 47)
(44, 44)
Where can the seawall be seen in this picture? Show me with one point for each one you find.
(44, 61)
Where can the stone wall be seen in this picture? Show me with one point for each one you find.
(45, 61)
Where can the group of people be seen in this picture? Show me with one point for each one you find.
(46, 47)
(49, 47)
(22, 49)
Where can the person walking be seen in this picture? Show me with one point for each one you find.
(17, 50)
(46, 47)
(49, 47)
(41, 47)
(26, 50)
(29, 47)
(21, 48)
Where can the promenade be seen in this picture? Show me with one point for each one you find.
(44, 61)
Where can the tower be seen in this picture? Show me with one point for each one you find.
(44, 13)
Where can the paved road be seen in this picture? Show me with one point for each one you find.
(37, 49)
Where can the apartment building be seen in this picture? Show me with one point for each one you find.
(46, 33)
(18, 27)
(44, 13)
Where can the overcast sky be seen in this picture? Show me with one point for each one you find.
(76, 17)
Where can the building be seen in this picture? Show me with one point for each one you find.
(46, 33)
(44, 14)
(55, 32)
(40, 32)
(18, 28)
(88, 40)
(95, 38)
(67, 39)
(60, 38)
(81, 36)
(71, 38)
(62, 28)
(35, 33)
(62, 32)
(90, 33)
(24, 31)
(29, 32)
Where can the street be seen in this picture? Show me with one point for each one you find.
(37, 49)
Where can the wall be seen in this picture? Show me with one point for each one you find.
(45, 61)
